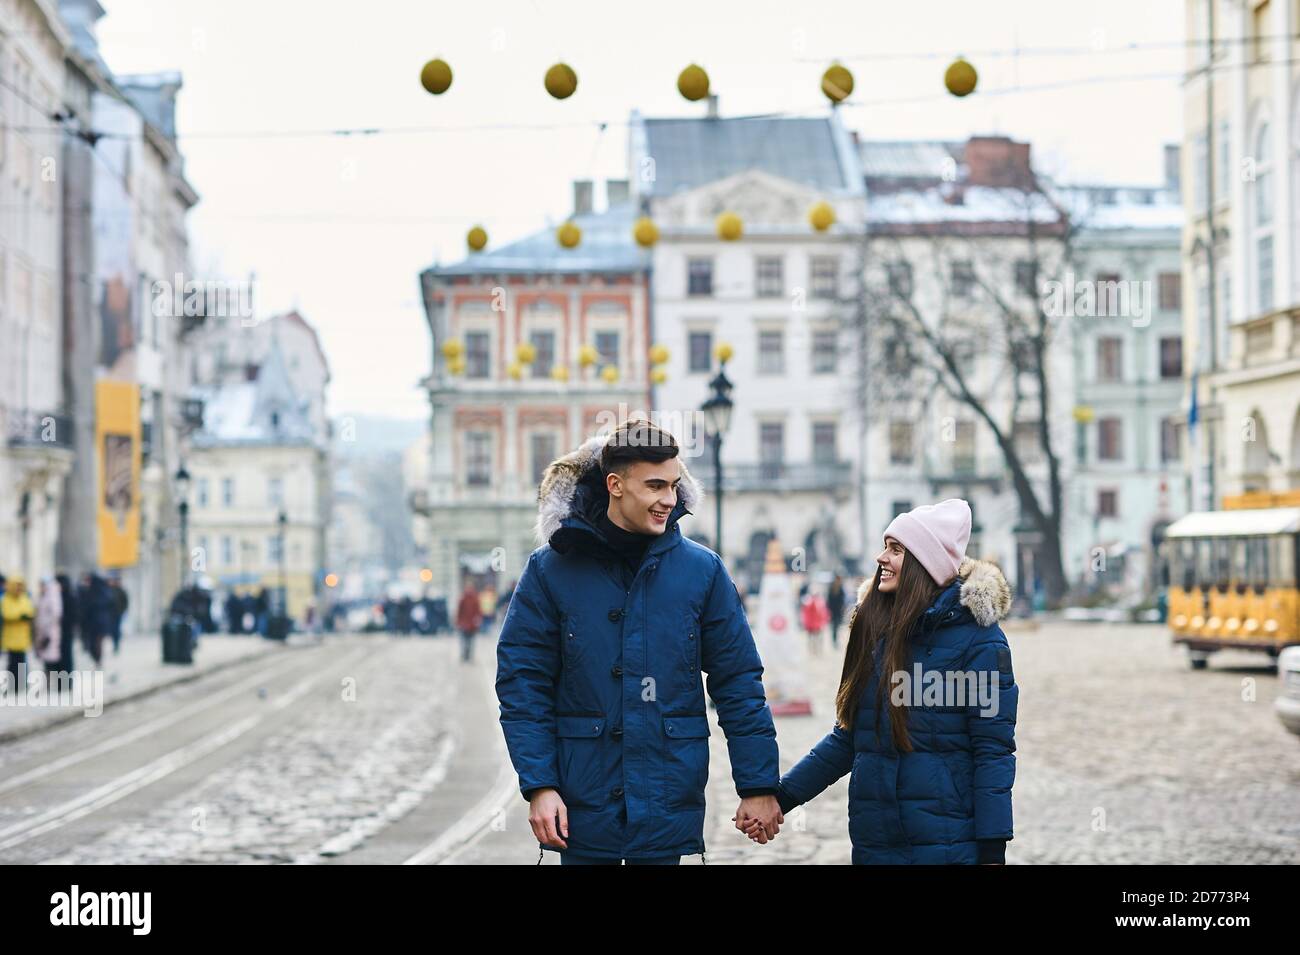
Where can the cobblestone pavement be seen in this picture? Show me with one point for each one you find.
(377, 749)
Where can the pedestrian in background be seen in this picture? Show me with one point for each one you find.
(17, 612)
(487, 602)
(118, 604)
(835, 599)
(49, 620)
(814, 616)
(69, 621)
(96, 611)
(469, 617)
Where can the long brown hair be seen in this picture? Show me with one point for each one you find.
(888, 618)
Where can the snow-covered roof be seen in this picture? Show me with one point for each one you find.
(977, 204)
(1108, 208)
(264, 411)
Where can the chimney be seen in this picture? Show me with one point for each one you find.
(713, 106)
(583, 191)
(617, 192)
(1173, 170)
(998, 161)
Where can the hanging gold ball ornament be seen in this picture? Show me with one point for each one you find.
(960, 78)
(730, 228)
(452, 348)
(568, 235)
(837, 83)
(587, 356)
(658, 354)
(560, 372)
(456, 365)
(723, 352)
(659, 375)
(822, 216)
(561, 82)
(609, 373)
(515, 370)
(525, 352)
(645, 232)
(436, 77)
(693, 83)
(476, 238)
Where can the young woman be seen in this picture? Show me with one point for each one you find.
(926, 709)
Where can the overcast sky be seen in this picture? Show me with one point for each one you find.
(340, 227)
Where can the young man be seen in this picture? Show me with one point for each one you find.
(599, 664)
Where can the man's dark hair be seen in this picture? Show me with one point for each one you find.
(636, 440)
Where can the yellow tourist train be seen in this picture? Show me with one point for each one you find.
(1232, 576)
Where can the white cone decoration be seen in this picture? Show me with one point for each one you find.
(781, 643)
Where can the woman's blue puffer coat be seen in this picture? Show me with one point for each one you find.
(932, 805)
(600, 677)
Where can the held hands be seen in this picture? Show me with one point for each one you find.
(759, 817)
(549, 818)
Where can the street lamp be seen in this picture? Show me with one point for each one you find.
(717, 418)
(283, 522)
(182, 479)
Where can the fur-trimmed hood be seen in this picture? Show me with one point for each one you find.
(984, 590)
(557, 495)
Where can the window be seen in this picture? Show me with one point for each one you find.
(1027, 276)
(825, 277)
(823, 449)
(1109, 296)
(607, 348)
(227, 550)
(227, 492)
(202, 487)
(1108, 503)
(900, 279)
(273, 548)
(898, 360)
(1109, 439)
(963, 280)
(963, 451)
(699, 276)
(478, 458)
(699, 349)
(1110, 358)
(478, 355)
(771, 449)
(1171, 357)
(543, 343)
(1171, 291)
(771, 352)
(1028, 443)
(769, 279)
(542, 449)
(1262, 218)
(1170, 444)
(275, 491)
(825, 351)
(901, 442)
(1264, 260)
(899, 507)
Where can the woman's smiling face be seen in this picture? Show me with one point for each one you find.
(891, 565)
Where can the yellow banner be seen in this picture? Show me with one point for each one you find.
(117, 448)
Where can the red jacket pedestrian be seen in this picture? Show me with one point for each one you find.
(469, 616)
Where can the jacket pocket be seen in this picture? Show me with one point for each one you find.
(580, 752)
(570, 650)
(690, 642)
(686, 769)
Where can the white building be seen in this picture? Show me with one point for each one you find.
(1241, 301)
(774, 296)
(35, 431)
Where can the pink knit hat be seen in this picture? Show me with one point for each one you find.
(936, 535)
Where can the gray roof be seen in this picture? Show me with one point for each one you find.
(607, 246)
(689, 153)
(913, 159)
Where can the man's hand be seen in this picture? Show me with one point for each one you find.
(544, 807)
(759, 817)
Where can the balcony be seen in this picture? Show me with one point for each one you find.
(37, 429)
(1266, 340)
(775, 476)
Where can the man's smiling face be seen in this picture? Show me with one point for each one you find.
(642, 498)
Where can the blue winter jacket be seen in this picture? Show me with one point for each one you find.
(599, 675)
(952, 792)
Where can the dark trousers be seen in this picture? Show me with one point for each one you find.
(568, 858)
(466, 645)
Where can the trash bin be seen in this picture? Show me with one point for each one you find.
(278, 627)
(177, 639)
